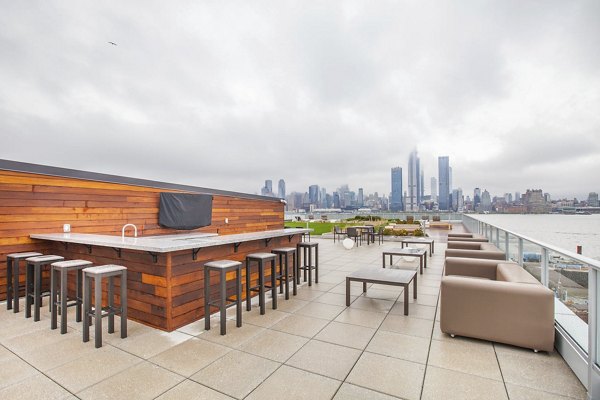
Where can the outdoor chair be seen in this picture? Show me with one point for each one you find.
(338, 233)
(354, 233)
(377, 234)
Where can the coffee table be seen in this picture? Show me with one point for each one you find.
(427, 241)
(407, 252)
(383, 276)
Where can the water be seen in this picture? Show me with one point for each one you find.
(565, 231)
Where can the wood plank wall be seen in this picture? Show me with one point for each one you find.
(38, 203)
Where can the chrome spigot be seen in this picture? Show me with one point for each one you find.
(123, 230)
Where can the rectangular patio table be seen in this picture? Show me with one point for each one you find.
(407, 252)
(427, 241)
(383, 276)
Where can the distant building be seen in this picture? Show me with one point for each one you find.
(517, 198)
(593, 200)
(361, 198)
(281, 189)
(267, 190)
(413, 198)
(476, 198)
(486, 201)
(313, 194)
(444, 183)
(434, 189)
(422, 186)
(535, 202)
(396, 195)
(457, 200)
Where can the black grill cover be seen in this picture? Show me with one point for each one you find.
(185, 211)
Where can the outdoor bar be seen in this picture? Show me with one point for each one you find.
(165, 281)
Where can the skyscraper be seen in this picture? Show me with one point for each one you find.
(486, 201)
(444, 182)
(593, 199)
(413, 199)
(281, 189)
(476, 198)
(422, 186)
(396, 199)
(313, 194)
(267, 190)
(361, 199)
(434, 189)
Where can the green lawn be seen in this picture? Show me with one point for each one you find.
(318, 226)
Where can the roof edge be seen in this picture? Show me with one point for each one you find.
(18, 166)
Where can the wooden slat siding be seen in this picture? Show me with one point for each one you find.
(187, 279)
(146, 292)
(38, 203)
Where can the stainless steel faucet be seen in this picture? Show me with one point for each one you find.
(123, 230)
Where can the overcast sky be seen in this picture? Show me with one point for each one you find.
(226, 94)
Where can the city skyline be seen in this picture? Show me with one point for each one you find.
(222, 94)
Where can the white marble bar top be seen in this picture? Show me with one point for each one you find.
(166, 243)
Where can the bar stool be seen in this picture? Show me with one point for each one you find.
(305, 262)
(58, 299)
(98, 273)
(12, 278)
(33, 284)
(260, 259)
(223, 267)
(283, 254)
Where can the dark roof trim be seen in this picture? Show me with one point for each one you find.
(17, 166)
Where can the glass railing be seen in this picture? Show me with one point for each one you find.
(572, 277)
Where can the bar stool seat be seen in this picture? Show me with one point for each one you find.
(33, 284)
(12, 278)
(98, 273)
(58, 298)
(223, 267)
(283, 254)
(260, 259)
(305, 261)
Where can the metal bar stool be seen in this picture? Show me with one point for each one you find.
(305, 261)
(12, 278)
(223, 267)
(58, 299)
(98, 273)
(260, 259)
(33, 284)
(283, 255)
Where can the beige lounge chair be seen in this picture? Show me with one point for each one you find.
(474, 250)
(497, 301)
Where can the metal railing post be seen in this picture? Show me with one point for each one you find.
(521, 252)
(592, 332)
(498, 237)
(544, 267)
(507, 249)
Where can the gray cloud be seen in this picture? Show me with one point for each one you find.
(228, 94)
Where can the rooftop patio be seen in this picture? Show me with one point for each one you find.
(312, 347)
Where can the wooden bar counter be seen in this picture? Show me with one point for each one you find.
(165, 276)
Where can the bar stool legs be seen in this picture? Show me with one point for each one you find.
(12, 278)
(283, 256)
(260, 259)
(223, 266)
(98, 273)
(33, 284)
(58, 298)
(305, 261)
